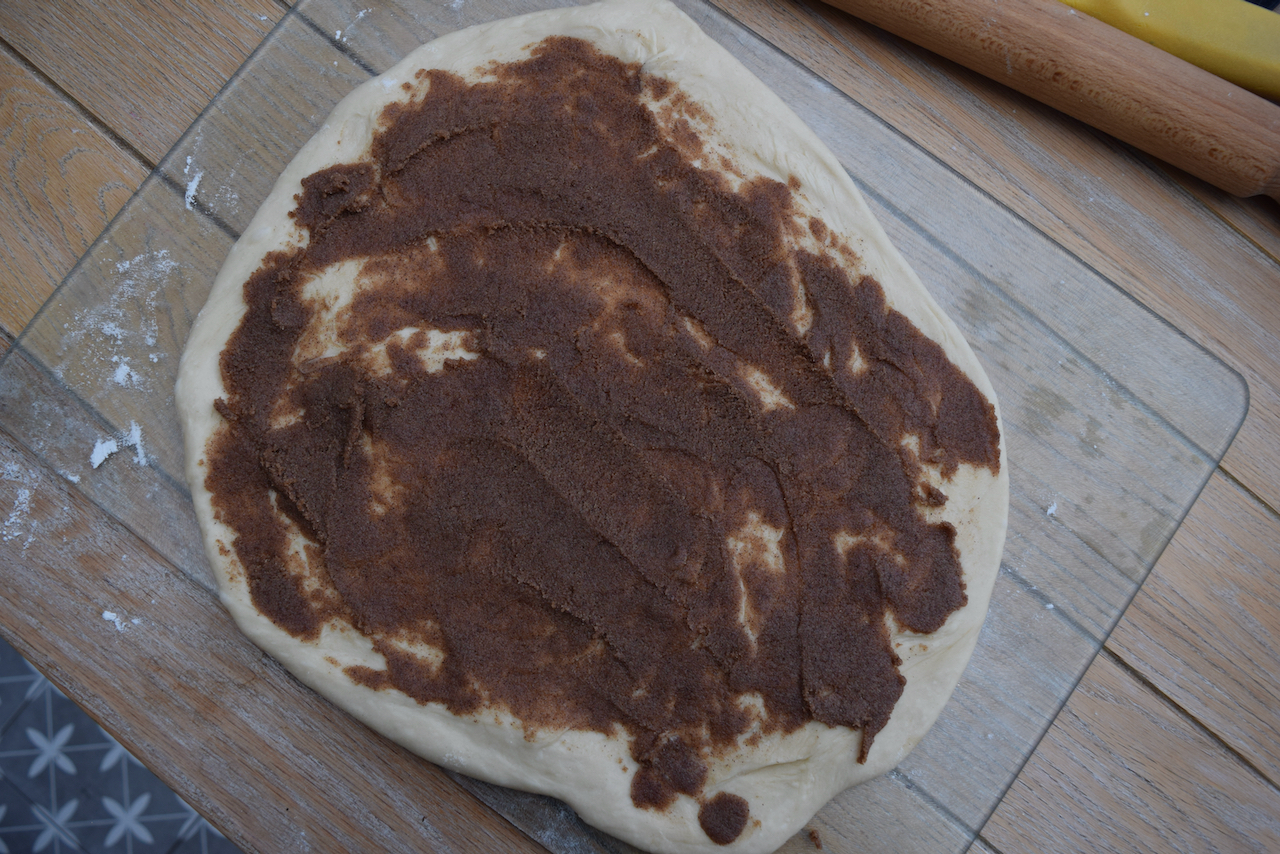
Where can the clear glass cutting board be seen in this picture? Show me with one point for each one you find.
(1114, 419)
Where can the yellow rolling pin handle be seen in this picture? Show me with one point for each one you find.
(1233, 39)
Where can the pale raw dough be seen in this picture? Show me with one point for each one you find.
(785, 779)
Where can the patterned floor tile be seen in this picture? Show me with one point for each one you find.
(199, 837)
(66, 787)
(25, 826)
(19, 682)
(39, 743)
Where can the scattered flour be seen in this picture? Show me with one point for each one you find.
(134, 440)
(192, 186)
(13, 526)
(359, 15)
(226, 197)
(114, 338)
(131, 438)
(118, 621)
(24, 521)
(216, 198)
(124, 375)
(124, 323)
(113, 330)
(19, 520)
(1053, 509)
(101, 450)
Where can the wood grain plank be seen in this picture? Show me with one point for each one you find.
(981, 846)
(1257, 219)
(230, 159)
(63, 431)
(146, 69)
(1122, 770)
(1205, 628)
(63, 180)
(1113, 207)
(175, 679)
(1025, 664)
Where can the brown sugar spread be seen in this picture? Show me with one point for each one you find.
(647, 492)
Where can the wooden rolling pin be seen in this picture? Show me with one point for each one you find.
(1087, 69)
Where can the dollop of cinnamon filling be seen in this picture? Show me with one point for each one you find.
(606, 436)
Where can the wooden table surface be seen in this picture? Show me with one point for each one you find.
(1172, 740)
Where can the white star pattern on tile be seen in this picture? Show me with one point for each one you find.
(38, 685)
(196, 823)
(50, 750)
(127, 820)
(55, 825)
(114, 754)
(192, 824)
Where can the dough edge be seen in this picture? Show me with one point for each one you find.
(790, 777)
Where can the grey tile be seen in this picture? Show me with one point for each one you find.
(28, 827)
(205, 840)
(67, 787)
(19, 683)
(41, 750)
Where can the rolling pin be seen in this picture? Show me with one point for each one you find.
(1150, 99)
(1237, 41)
